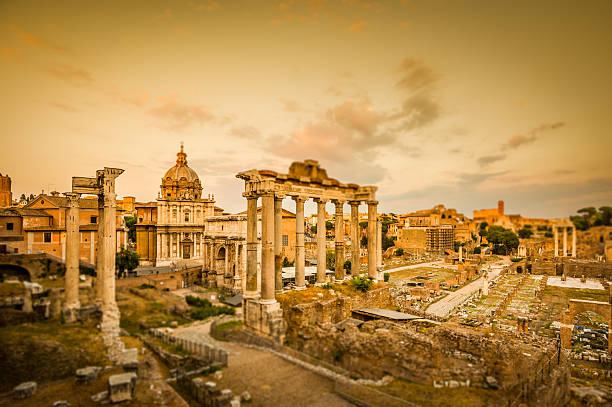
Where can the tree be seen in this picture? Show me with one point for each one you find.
(126, 259)
(483, 229)
(477, 250)
(287, 263)
(313, 229)
(399, 252)
(330, 260)
(387, 242)
(329, 225)
(580, 222)
(363, 225)
(364, 241)
(503, 240)
(23, 198)
(347, 266)
(525, 233)
(130, 223)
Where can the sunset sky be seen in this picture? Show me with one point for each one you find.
(454, 102)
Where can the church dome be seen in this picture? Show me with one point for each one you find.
(180, 181)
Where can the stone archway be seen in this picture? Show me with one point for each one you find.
(220, 263)
(10, 271)
(578, 307)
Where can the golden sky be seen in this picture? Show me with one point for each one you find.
(454, 102)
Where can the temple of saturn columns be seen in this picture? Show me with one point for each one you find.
(103, 185)
(305, 180)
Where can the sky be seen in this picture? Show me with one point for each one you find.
(455, 102)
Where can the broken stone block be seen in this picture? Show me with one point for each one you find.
(129, 360)
(103, 395)
(61, 403)
(87, 374)
(235, 401)
(491, 383)
(245, 396)
(25, 390)
(453, 384)
(121, 387)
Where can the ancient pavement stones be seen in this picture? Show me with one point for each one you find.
(87, 374)
(121, 387)
(61, 403)
(99, 396)
(25, 390)
(245, 396)
(491, 383)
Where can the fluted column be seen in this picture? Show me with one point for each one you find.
(72, 256)
(564, 241)
(100, 253)
(300, 277)
(321, 241)
(556, 237)
(372, 213)
(267, 248)
(379, 257)
(355, 243)
(278, 230)
(339, 232)
(251, 266)
(574, 237)
(109, 243)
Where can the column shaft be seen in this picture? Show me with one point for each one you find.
(564, 241)
(267, 248)
(110, 244)
(339, 231)
(72, 253)
(372, 212)
(321, 267)
(355, 243)
(379, 257)
(100, 253)
(300, 277)
(574, 242)
(278, 230)
(556, 237)
(251, 266)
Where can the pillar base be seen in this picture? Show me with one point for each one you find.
(71, 312)
(111, 333)
(302, 288)
(264, 318)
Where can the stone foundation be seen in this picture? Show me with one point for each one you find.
(109, 325)
(265, 319)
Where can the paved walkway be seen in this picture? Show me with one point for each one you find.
(443, 307)
(270, 379)
(414, 266)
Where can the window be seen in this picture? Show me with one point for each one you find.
(186, 216)
(93, 219)
(139, 220)
(47, 237)
(285, 240)
(9, 226)
(42, 201)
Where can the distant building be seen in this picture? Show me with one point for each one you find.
(6, 195)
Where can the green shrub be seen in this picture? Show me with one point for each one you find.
(399, 252)
(197, 301)
(477, 250)
(145, 286)
(386, 277)
(327, 286)
(212, 311)
(515, 259)
(362, 284)
(338, 355)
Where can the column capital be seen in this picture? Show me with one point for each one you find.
(299, 198)
(338, 201)
(320, 200)
(250, 195)
(73, 198)
(354, 203)
(279, 196)
(371, 203)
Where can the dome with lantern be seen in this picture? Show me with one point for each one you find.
(180, 181)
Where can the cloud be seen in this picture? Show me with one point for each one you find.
(204, 5)
(245, 132)
(358, 26)
(10, 54)
(36, 41)
(71, 74)
(178, 116)
(64, 107)
(416, 75)
(522, 139)
(490, 159)
(361, 118)
(291, 105)
(477, 177)
(164, 15)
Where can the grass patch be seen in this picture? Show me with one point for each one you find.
(565, 294)
(362, 284)
(11, 289)
(229, 326)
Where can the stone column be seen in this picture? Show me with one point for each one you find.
(556, 237)
(355, 243)
(100, 253)
(321, 246)
(379, 257)
(339, 231)
(300, 277)
(237, 276)
(574, 242)
(460, 254)
(251, 266)
(372, 213)
(226, 263)
(72, 257)
(278, 249)
(267, 249)
(564, 241)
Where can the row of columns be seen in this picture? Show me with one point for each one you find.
(271, 229)
(556, 238)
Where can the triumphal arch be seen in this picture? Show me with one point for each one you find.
(305, 180)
